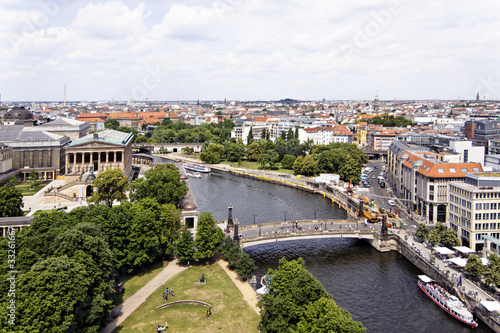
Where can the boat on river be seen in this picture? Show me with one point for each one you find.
(196, 167)
(193, 174)
(446, 301)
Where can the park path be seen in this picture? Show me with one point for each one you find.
(132, 303)
(249, 295)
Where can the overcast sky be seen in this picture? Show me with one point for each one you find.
(249, 49)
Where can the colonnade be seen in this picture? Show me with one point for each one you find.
(95, 161)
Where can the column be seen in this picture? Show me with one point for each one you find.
(66, 164)
(82, 167)
(434, 213)
(428, 205)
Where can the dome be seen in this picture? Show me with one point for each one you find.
(18, 113)
(189, 206)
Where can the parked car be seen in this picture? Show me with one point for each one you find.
(391, 202)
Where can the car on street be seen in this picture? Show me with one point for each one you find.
(373, 177)
(391, 202)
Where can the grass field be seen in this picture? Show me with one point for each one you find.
(230, 313)
(25, 187)
(133, 283)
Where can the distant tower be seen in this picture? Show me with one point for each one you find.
(477, 98)
(376, 103)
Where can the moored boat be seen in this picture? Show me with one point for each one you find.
(445, 300)
(196, 167)
(193, 174)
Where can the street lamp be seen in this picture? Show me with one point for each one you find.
(285, 217)
(254, 215)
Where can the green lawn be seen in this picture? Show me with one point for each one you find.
(133, 283)
(25, 187)
(230, 313)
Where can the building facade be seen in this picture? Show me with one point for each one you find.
(98, 152)
(474, 209)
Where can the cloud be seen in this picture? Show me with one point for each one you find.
(252, 49)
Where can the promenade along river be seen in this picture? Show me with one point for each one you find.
(379, 289)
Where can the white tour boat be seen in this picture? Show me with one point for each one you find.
(193, 174)
(445, 300)
(196, 167)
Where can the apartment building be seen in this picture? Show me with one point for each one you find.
(324, 135)
(381, 139)
(474, 210)
(421, 178)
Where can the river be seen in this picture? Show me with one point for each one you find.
(378, 289)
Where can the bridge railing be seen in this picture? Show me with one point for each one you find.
(278, 234)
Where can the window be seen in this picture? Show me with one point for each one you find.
(493, 205)
(475, 169)
(485, 226)
(466, 155)
(478, 206)
(464, 170)
(453, 170)
(477, 226)
(431, 188)
(493, 226)
(486, 206)
(478, 216)
(493, 216)
(440, 170)
(486, 216)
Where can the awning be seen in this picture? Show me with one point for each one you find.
(425, 278)
(443, 250)
(464, 249)
(490, 305)
(461, 262)
(491, 239)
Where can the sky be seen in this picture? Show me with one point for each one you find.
(249, 50)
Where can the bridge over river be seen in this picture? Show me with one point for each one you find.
(306, 229)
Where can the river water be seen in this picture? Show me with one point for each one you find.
(378, 289)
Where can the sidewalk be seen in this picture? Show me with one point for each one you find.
(468, 287)
(125, 309)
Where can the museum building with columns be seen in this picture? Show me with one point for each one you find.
(97, 152)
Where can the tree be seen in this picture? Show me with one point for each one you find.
(110, 185)
(449, 238)
(309, 167)
(492, 273)
(213, 153)
(287, 161)
(236, 151)
(162, 183)
(208, 236)
(250, 136)
(11, 199)
(474, 266)
(324, 315)
(168, 227)
(244, 265)
(298, 165)
(297, 301)
(111, 124)
(184, 250)
(351, 170)
(254, 150)
(51, 296)
(33, 177)
(422, 232)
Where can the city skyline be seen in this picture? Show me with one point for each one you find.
(248, 50)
